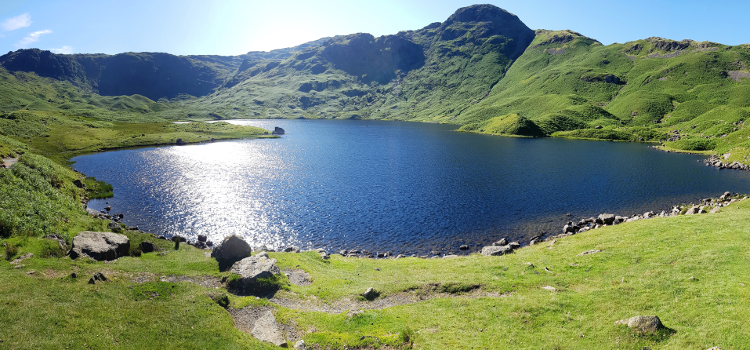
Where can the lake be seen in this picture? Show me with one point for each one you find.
(407, 188)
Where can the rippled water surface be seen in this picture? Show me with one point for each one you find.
(392, 186)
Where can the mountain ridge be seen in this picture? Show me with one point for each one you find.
(475, 69)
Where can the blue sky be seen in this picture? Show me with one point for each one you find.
(232, 27)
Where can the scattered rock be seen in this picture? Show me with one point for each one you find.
(98, 277)
(232, 250)
(643, 323)
(266, 329)
(549, 288)
(496, 250)
(593, 251)
(100, 245)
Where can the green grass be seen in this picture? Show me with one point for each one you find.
(688, 270)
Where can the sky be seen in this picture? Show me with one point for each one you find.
(234, 27)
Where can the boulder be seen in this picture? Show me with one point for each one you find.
(607, 219)
(462, 247)
(266, 329)
(496, 250)
(643, 323)
(254, 267)
(232, 250)
(300, 345)
(148, 247)
(202, 238)
(514, 245)
(726, 196)
(278, 131)
(100, 245)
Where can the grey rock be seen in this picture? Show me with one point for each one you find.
(100, 245)
(98, 277)
(291, 249)
(501, 242)
(232, 250)
(300, 345)
(148, 247)
(202, 238)
(695, 210)
(114, 226)
(607, 219)
(266, 329)
(593, 251)
(643, 323)
(496, 250)
(462, 247)
(514, 245)
(278, 131)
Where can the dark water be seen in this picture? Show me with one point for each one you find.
(402, 187)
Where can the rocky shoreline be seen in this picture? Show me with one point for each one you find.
(716, 162)
(707, 205)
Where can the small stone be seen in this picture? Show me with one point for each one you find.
(593, 251)
(300, 345)
(549, 288)
(463, 247)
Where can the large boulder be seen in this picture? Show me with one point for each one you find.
(496, 250)
(232, 250)
(100, 245)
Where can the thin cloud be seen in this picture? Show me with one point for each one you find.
(17, 22)
(67, 50)
(33, 37)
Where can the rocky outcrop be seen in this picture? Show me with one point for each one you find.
(248, 273)
(232, 250)
(100, 245)
(715, 162)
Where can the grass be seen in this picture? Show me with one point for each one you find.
(688, 270)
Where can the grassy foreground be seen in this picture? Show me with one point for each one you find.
(691, 271)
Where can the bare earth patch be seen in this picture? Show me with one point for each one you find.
(312, 303)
